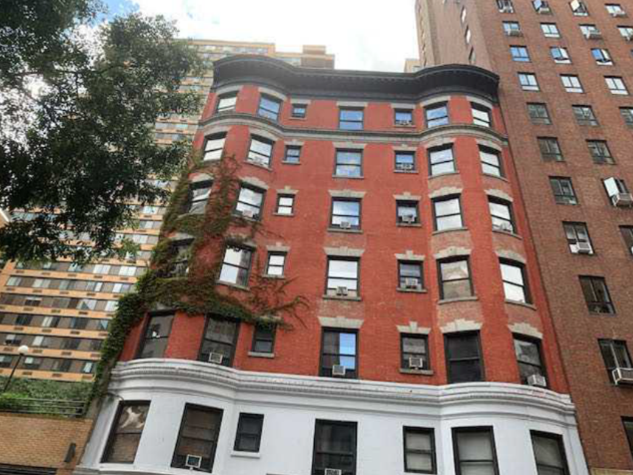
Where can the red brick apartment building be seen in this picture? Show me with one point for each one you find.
(566, 73)
(391, 204)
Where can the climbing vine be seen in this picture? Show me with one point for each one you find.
(195, 292)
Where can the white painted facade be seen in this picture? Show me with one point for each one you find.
(291, 404)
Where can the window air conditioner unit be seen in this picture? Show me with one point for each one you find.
(216, 358)
(514, 32)
(584, 247)
(416, 362)
(333, 471)
(411, 283)
(537, 380)
(342, 291)
(406, 166)
(193, 461)
(505, 6)
(409, 219)
(622, 199)
(543, 8)
(345, 225)
(623, 376)
(248, 213)
(404, 122)
(593, 35)
(338, 370)
(503, 227)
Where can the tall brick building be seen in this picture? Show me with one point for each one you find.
(566, 73)
(390, 204)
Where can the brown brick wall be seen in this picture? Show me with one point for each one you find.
(41, 441)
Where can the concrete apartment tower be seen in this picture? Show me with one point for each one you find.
(566, 73)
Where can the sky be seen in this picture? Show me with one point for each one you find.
(372, 35)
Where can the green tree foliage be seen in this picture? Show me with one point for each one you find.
(78, 101)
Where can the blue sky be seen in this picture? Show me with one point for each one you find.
(363, 34)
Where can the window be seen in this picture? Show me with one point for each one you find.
(345, 213)
(528, 353)
(474, 449)
(584, 115)
(596, 294)
(512, 28)
(441, 160)
(481, 115)
(87, 368)
(218, 344)
(5, 361)
(31, 363)
(550, 149)
(615, 355)
(70, 343)
(505, 6)
(626, 32)
(501, 214)
(269, 107)
(350, 119)
(405, 161)
(236, 266)
(11, 339)
(616, 188)
(563, 191)
(249, 432)
(263, 339)
(213, 147)
(627, 115)
(627, 235)
(467, 36)
(454, 275)
(600, 152)
(199, 196)
(560, 55)
(415, 354)
(276, 262)
(528, 81)
(579, 8)
(541, 7)
(260, 152)
(520, 54)
(407, 212)
(628, 429)
(550, 30)
(472, 57)
(26, 320)
(490, 161)
(403, 117)
(410, 275)
(602, 56)
(549, 453)
(616, 85)
(299, 111)
(349, 163)
(515, 283)
(249, 202)
(227, 102)
(334, 447)
(419, 450)
(447, 213)
(342, 277)
(61, 366)
(463, 357)
(293, 154)
(339, 348)
(156, 336)
(462, 16)
(198, 437)
(590, 31)
(436, 114)
(126, 431)
(285, 205)
(571, 83)
(578, 238)
(538, 113)
(615, 10)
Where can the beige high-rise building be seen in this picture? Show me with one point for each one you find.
(62, 311)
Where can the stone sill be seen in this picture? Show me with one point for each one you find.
(284, 215)
(407, 225)
(258, 165)
(284, 162)
(456, 300)
(336, 297)
(275, 277)
(361, 177)
(409, 172)
(412, 291)
(502, 178)
(448, 231)
(521, 304)
(420, 372)
(234, 286)
(431, 177)
(507, 233)
(341, 230)
(256, 354)
(250, 455)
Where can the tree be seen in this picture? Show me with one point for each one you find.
(78, 101)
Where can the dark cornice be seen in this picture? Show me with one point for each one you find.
(450, 78)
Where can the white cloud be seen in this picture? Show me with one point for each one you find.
(373, 35)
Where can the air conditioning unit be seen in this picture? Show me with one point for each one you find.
(505, 6)
(537, 380)
(503, 227)
(411, 283)
(408, 218)
(193, 461)
(584, 247)
(248, 213)
(593, 35)
(543, 8)
(404, 122)
(623, 376)
(618, 13)
(515, 32)
(258, 161)
(406, 166)
(622, 199)
(216, 358)
(333, 471)
(342, 291)
(338, 370)
(416, 362)
(345, 225)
